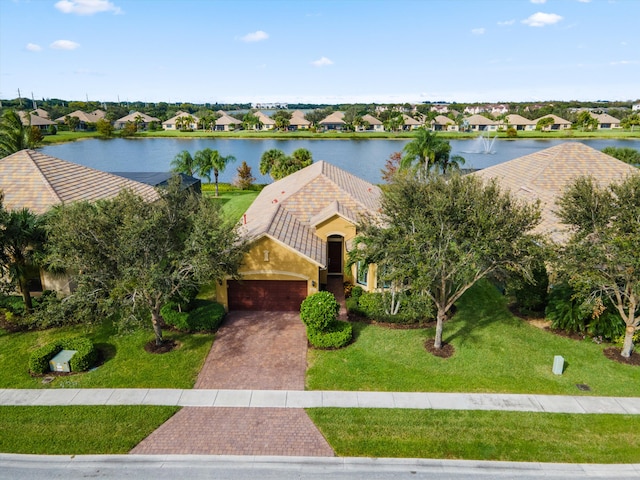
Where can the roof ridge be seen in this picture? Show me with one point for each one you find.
(44, 177)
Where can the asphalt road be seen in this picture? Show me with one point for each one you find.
(35, 467)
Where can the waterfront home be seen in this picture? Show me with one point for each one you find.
(181, 121)
(334, 121)
(606, 121)
(300, 229)
(142, 120)
(372, 124)
(227, 123)
(266, 122)
(84, 118)
(519, 122)
(298, 122)
(443, 124)
(480, 123)
(558, 123)
(410, 123)
(37, 121)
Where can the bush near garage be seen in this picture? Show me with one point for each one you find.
(85, 358)
(197, 316)
(319, 313)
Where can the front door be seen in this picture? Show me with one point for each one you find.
(334, 251)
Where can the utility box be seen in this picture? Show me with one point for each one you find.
(60, 363)
(558, 364)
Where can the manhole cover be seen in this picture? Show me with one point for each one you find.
(583, 387)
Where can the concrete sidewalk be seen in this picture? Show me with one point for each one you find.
(314, 398)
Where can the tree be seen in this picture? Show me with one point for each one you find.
(427, 151)
(600, 259)
(104, 127)
(585, 121)
(183, 162)
(278, 165)
(129, 252)
(22, 238)
(14, 136)
(625, 154)
(391, 166)
(245, 178)
(544, 123)
(72, 122)
(439, 236)
(631, 121)
(282, 118)
(208, 160)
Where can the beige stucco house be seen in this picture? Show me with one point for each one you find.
(142, 119)
(300, 229)
(519, 123)
(188, 121)
(480, 123)
(558, 123)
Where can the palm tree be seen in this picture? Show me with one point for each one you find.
(270, 160)
(208, 160)
(21, 241)
(183, 163)
(14, 136)
(427, 151)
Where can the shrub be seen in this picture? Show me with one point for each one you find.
(530, 296)
(356, 291)
(203, 316)
(172, 316)
(83, 360)
(318, 310)
(336, 335)
(414, 308)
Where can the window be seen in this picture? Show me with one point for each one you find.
(363, 273)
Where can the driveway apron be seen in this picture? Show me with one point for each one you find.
(252, 351)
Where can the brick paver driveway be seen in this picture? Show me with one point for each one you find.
(257, 351)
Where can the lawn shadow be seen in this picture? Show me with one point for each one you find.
(106, 352)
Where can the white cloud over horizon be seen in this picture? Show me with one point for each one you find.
(478, 31)
(64, 45)
(87, 7)
(33, 47)
(257, 36)
(322, 62)
(541, 19)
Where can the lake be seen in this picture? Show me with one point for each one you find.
(364, 158)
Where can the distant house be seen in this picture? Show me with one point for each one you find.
(227, 123)
(410, 123)
(298, 122)
(190, 122)
(480, 123)
(497, 109)
(36, 121)
(335, 121)
(141, 119)
(443, 124)
(41, 113)
(372, 124)
(606, 121)
(440, 108)
(635, 107)
(266, 122)
(558, 123)
(519, 122)
(84, 118)
(474, 109)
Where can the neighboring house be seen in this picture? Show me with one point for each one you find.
(191, 122)
(41, 113)
(519, 122)
(83, 117)
(558, 123)
(497, 109)
(544, 175)
(410, 123)
(334, 121)
(635, 107)
(298, 122)
(300, 229)
(33, 180)
(161, 179)
(480, 123)
(443, 124)
(36, 121)
(373, 124)
(142, 119)
(227, 123)
(606, 121)
(266, 122)
(474, 109)
(440, 108)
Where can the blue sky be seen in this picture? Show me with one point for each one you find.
(320, 51)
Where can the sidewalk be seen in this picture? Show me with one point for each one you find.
(297, 399)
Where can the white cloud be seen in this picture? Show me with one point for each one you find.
(625, 62)
(322, 62)
(584, 1)
(541, 19)
(506, 22)
(64, 45)
(538, 1)
(32, 47)
(478, 31)
(87, 7)
(258, 36)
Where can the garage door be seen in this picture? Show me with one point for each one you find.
(284, 295)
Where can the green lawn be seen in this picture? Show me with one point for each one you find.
(234, 204)
(495, 352)
(127, 364)
(481, 435)
(78, 430)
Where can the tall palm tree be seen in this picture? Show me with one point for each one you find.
(14, 136)
(21, 241)
(424, 149)
(208, 160)
(183, 162)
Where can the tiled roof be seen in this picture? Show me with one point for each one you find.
(605, 118)
(480, 120)
(335, 117)
(556, 120)
(442, 120)
(410, 120)
(371, 119)
(37, 181)
(133, 116)
(515, 119)
(545, 174)
(82, 116)
(289, 209)
(172, 120)
(265, 119)
(226, 119)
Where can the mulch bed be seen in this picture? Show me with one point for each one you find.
(562, 333)
(166, 346)
(613, 353)
(446, 351)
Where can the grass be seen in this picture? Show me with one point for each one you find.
(78, 430)
(481, 435)
(494, 352)
(126, 365)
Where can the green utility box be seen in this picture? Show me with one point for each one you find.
(60, 363)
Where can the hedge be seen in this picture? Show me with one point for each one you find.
(336, 335)
(318, 310)
(83, 360)
(202, 316)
